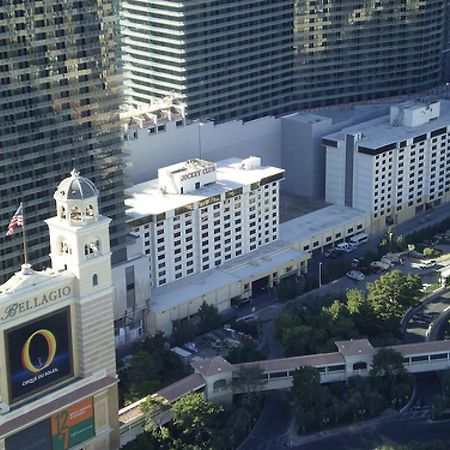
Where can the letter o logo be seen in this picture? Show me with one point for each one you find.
(51, 344)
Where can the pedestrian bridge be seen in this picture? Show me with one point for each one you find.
(214, 376)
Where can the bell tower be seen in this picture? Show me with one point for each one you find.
(79, 235)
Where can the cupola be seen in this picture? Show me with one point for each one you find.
(77, 200)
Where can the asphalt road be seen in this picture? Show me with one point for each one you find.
(402, 429)
(270, 432)
(419, 323)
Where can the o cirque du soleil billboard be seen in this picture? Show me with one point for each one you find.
(39, 354)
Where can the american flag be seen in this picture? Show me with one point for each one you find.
(16, 221)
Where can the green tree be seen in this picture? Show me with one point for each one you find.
(248, 378)
(388, 364)
(356, 301)
(247, 352)
(355, 405)
(156, 412)
(143, 375)
(286, 320)
(297, 340)
(182, 331)
(435, 445)
(209, 317)
(306, 385)
(335, 311)
(401, 242)
(392, 294)
(429, 251)
(196, 422)
(440, 404)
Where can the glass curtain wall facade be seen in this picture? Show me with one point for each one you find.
(223, 58)
(351, 50)
(245, 59)
(59, 107)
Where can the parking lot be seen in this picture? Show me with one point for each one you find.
(221, 340)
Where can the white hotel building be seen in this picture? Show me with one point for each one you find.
(197, 214)
(393, 166)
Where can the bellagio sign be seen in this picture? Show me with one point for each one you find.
(17, 308)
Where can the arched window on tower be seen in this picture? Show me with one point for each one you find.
(94, 279)
(90, 212)
(92, 249)
(62, 213)
(75, 214)
(64, 249)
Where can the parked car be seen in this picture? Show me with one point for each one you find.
(359, 239)
(367, 270)
(248, 318)
(387, 260)
(333, 253)
(232, 343)
(415, 254)
(355, 275)
(346, 247)
(396, 259)
(379, 265)
(190, 346)
(428, 264)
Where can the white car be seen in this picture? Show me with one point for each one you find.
(355, 275)
(249, 318)
(379, 265)
(346, 247)
(428, 264)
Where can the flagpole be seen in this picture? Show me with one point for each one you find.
(24, 236)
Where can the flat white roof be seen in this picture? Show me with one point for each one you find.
(379, 132)
(317, 223)
(26, 282)
(146, 198)
(265, 259)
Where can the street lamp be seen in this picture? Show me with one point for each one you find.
(320, 274)
(390, 242)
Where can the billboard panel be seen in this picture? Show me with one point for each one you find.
(39, 354)
(73, 425)
(36, 437)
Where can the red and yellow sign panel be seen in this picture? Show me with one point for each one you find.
(73, 425)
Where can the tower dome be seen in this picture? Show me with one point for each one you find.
(76, 199)
(75, 187)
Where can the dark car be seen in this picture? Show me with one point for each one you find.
(333, 254)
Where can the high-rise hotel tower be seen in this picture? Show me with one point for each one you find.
(58, 103)
(228, 59)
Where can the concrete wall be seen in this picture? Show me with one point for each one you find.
(148, 152)
(302, 152)
(292, 142)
